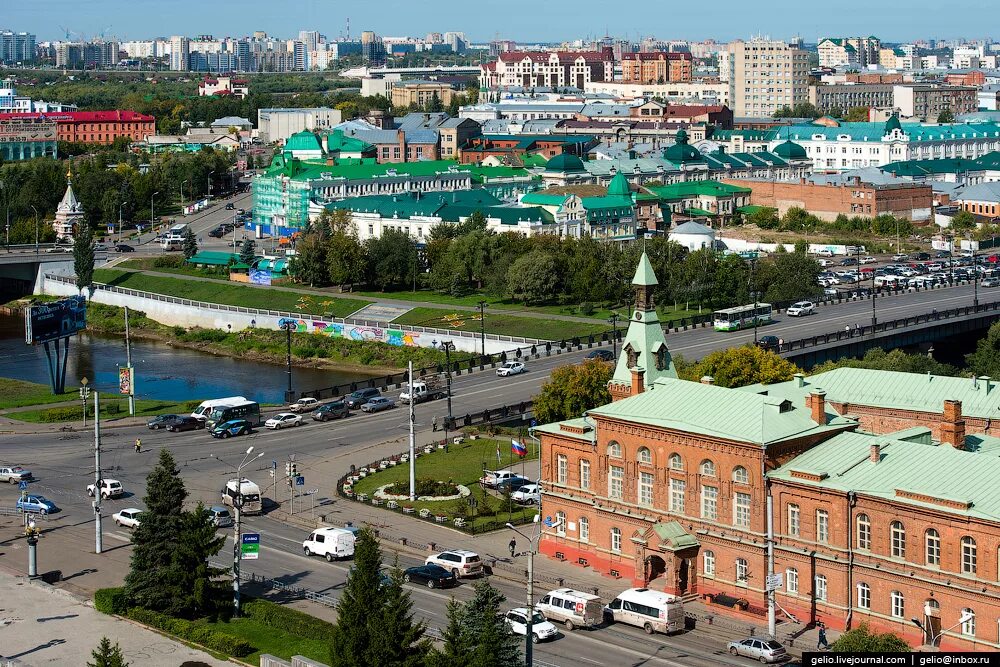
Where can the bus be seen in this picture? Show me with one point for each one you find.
(223, 413)
(742, 317)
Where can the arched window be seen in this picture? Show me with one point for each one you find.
(864, 596)
(898, 604)
(740, 475)
(708, 563)
(932, 548)
(708, 468)
(969, 555)
(864, 532)
(742, 572)
(968, 622)
(645, 456)
(676, 462)
(584, 529)
(614, 449)
(897, 536)
(616, 540)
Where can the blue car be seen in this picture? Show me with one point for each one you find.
(36, 505)
(231, 428)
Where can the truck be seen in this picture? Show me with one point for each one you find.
(426, 388)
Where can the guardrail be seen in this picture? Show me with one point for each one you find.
(277, 585)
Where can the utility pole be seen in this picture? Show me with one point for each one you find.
(482, 322)
(771, 623)
(152, 205)
(975, 281)
(614, 333)
(128, 362)
(413, 445)
(98, 545)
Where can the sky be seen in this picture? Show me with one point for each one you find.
(520, 20)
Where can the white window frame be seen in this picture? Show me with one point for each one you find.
(822, 526)
(584, 474)
(707, 468)
(794, 520)
(792, 580)
(644, 455)
(970, 555)
(819, 587)
(741, 475)
(864, 532)
(969, 626)
(864, 596)
(616, 540)
(897, 605)
(741, 510)
(710, 503)
(678, 493)
(645, 488)
(932, 548)
(675, 462)
(897, 539)
(616, 482)
(708, 563)
(742, 572)
(584, 524)
(562, 468)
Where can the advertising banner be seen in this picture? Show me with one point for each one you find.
(46, 322)
(126, 380)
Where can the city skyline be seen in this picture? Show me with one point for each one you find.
(522, 20)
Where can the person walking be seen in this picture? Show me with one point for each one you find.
(821, 641)
(434, 423)
(512, 546)
(138, 445)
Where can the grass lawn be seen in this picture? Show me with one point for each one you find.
(501, 323)
(462, 464)
(115, 408)
(231, 294)
(266, 639)
(18, 393)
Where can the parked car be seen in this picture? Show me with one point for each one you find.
(221, 516)
(491, 478)
(603, 355)
(14, 474)
(900, 257)
(517, 620)
(282, 420)
(849, 261)
(920, 256)
(330, 543)
(990, 282)
(358, 398)
(186, 423)
(801, 308)
(127, 518)
(759, 648)
(825, 252)
(459, 562)
(229, 206)
(825, 262)
(122, 247)
(160, 421)
(304, 404)
(768, 343)
(942, 254)
(110, 488)
(511, 483)
(231, 428)
(527, 494)
(334, 410)
(868, 259)
(36, 505)
(218, 232)
(378, 404)
(511, 368)
(101, 247)
(432, 576)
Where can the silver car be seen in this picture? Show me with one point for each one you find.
(764, 649)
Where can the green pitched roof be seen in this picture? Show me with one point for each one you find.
(541, 199)
(211, 258)
(618, 187)
(405, 206)
(683, 190)
(337, 141)
(644, 274)
(353, 169)
(303, 141)
(674, 535)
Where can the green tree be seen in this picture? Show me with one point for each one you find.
(248, 252)
(742, 366)
(309, 264)
(896, 360)
(962, 221)
(83, 256)
(345, 257)
(946, 116)
(203, 589)
(107, 655)
(573, 389)
(800, 110)
(398, 639)
(788, 276)
(391, 259)
(477, 635)
(764, 217)
(857, 115)
(986, 359)
(532, 278)
(863, 640)
(190, 244)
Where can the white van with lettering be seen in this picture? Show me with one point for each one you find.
(572, 608)
(653, 611)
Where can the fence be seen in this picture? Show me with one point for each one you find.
(275, 584)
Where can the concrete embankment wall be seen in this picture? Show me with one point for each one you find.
(186, 313)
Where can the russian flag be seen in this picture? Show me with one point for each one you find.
(518, 448)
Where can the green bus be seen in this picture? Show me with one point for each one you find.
(742, 317)
(248, 410)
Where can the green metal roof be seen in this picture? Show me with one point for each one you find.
(588, 434)
(677, 191)
(541, 199)
(353, 169)
(915, 132)
(644, 274)
(211, 258)
(302, 141)
(907, 466)
(719, 412)
(339, 142)
(700, 211)
(917, 168)
(674, 535)
(405, 206)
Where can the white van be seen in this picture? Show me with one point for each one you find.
(331, 543)
(202, 412)
(250, 492)
(653, 611)
(572, 608)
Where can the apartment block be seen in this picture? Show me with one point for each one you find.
(766, 75)
(925, 102)
(656, 67)
(841, 51)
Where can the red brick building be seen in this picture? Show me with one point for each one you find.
(96, 127)
(548, 69)
(512, 149)
(882, 499)
(656, 67)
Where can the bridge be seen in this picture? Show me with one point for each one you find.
(450, 70)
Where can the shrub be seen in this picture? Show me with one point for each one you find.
(200, 634)
(586, 309)
(110, 600)
(62, 414)
(290, 620)
(424, 487)
(168, 261)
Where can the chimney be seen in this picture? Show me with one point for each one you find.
(638, 380)
(875, 453)
(952, 424)
(800, 379)
(986, 383)
(707, 379)
(818, 405)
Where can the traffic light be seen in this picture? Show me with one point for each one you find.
(295, 470)
(288, 468)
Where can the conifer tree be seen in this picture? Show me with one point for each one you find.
(358, 606)
(107, 655)
(398, 639)
(248, 252)
(190, 244)
(477, 634)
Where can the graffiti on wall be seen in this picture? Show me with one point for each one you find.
(395, 337)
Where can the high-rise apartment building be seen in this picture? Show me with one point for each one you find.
(310, 38)
(851, 51)
(16, 47)
(180, 49)
(372, 48)
(765, 75)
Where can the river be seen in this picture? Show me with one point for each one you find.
(161, 371)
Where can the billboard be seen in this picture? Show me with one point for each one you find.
(126, 380)
(46, 322)
(16, 130)
(260, 277)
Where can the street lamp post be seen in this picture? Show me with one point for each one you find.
(289, 326)
(447, 346)
(614, 332)
(530, 553)
(964, 618)
(120, 228)
(208, 192)
(152, 205)
(31, 532)
(482, 322)
(237, 512)
(975, 281)
(756, 298)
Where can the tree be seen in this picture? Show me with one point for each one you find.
(946, 116)
(962, 221)
(392, 259)
(788, 276)
(863, 640)
(764, 217)
(742, 366)
(572, 390)
(107, 655)
(986, 359)
(248, 252)
(398, 640)
(857, 115)
(83, 256)
(309, 264)
(896, 360)
(477, 634)
(800, 110)
(190, 244)
(532, 278)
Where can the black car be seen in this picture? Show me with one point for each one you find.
(229, 206)
(511, 484)
(358, 398)
(768, 343)
(433, 576)
(121, 247)
(184, 424)
(160, 421)
(334, 410)
(603, 355)
(942, 254)
(849, 261)
(920, 256)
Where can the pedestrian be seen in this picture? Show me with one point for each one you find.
(781, 344)
(138, 445)
(847, 329)
(434, 423)
(512, 546)
(857, 328)
(821, 641)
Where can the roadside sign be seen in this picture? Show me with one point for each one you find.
(250, 548)
(22, 485)
(774, 582)
(300, 481)
(274, 464)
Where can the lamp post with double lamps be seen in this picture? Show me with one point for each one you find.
(927, 630)
(530, 553)
(447, 346)
(237, 512)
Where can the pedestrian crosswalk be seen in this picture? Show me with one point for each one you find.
(124, 537)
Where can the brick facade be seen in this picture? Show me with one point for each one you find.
(95, 127)
(656, 67)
